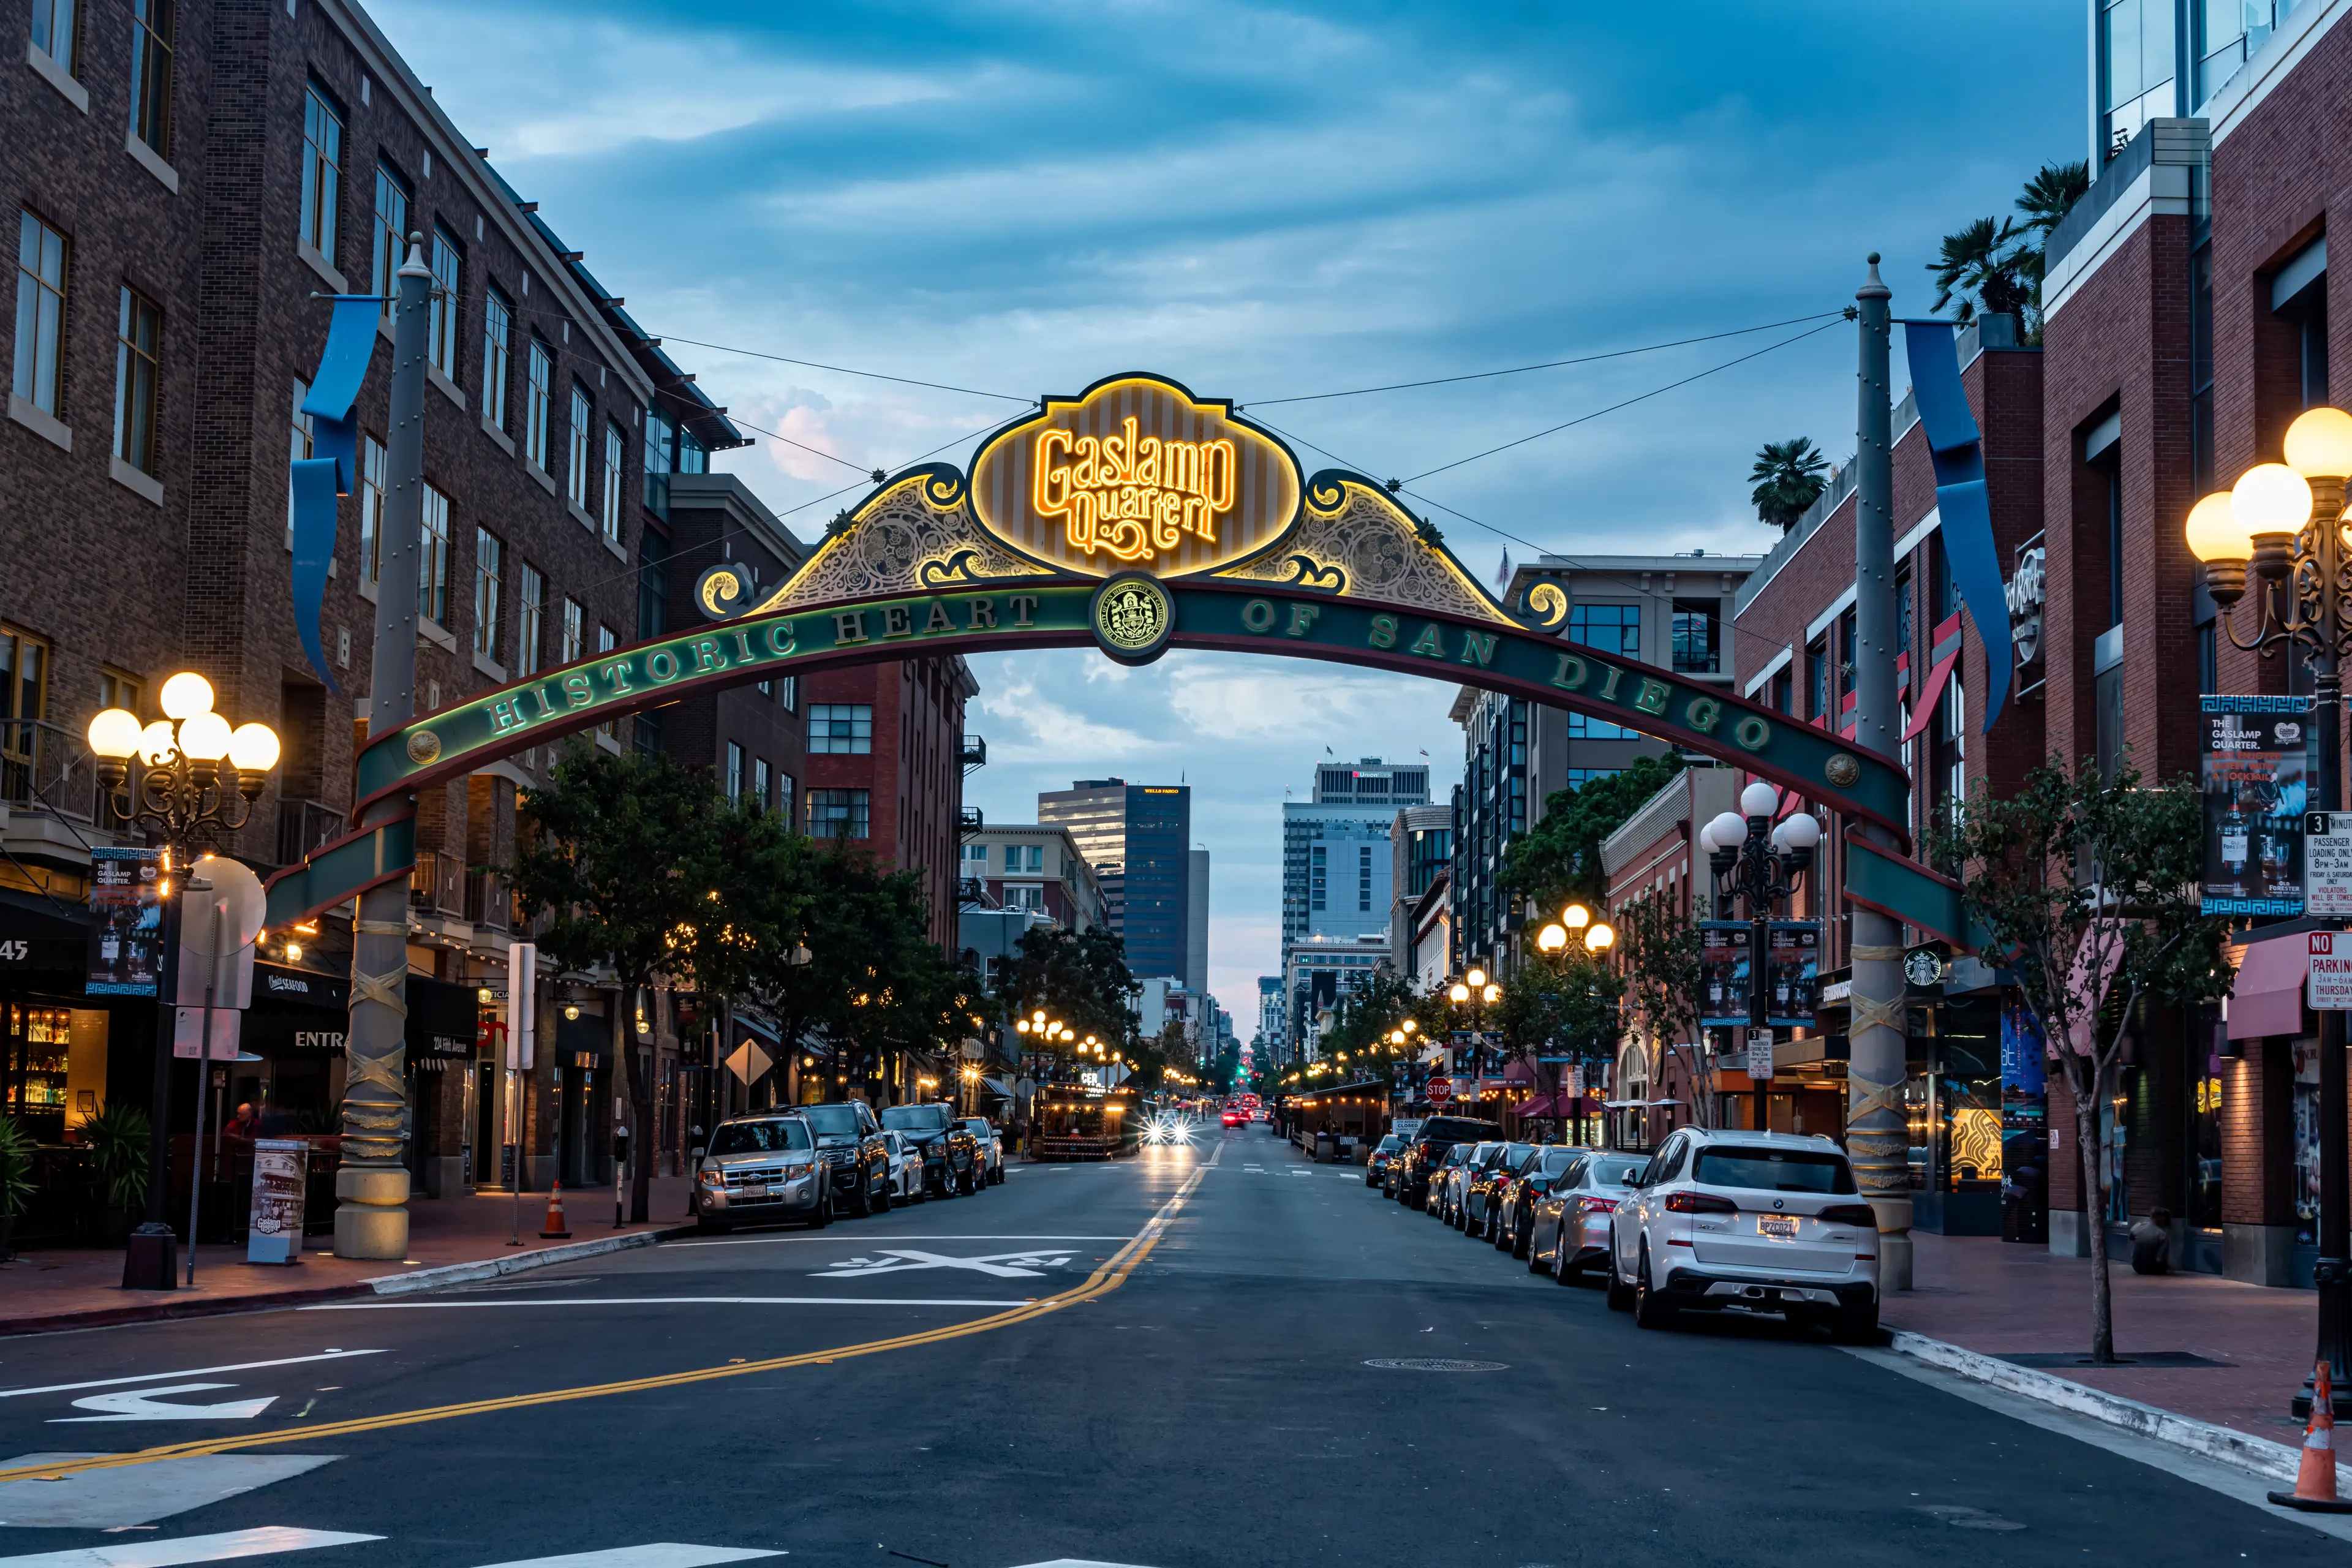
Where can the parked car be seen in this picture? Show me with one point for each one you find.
(950, 1154)
(1515, 1204)
(992, 1147)
(1434, 1193)
(757, 1170)
(905, 1168)
(1568, 1223)
(1458, 1176)
(1425, 1152)
(1762, 1221)
(1483, 1187)
(849, 1140)
(1383, 1155)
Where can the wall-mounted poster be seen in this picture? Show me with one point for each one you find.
(126, 921)
(1723, 964)
(2257, 759)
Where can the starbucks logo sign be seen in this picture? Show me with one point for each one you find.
(1132, 618)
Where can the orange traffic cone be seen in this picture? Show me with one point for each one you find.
(2314, 1479)
(555, 1226)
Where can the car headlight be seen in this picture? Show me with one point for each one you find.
(711, 1178)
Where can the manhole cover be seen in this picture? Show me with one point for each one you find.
(1434, 1363)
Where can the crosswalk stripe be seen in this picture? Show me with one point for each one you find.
(657, 1554)
(208, 1549)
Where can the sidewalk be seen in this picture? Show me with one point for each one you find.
(2008, 1300)
(83, 1288)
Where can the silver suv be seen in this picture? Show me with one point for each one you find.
(759, 1170)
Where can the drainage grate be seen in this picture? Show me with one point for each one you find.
(1434, 1363)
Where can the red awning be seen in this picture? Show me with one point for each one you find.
(1518, 1072)
(1926, 709)
(2269, 995)
(1540, 1105)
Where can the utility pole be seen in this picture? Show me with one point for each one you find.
(1877, 1132)
(371, 1185)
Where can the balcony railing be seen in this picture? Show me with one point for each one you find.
(45, 767)
(971, 821)
(303, 826)
(438, 884)
(487, 902)
(975, 751)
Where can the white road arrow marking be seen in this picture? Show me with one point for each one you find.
(899, 1260)
(219, 1547)
(146, 1404)
(657, 1554)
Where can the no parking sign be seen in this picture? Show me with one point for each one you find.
(2330, 982)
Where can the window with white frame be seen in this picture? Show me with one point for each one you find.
(322, 171)
(839, 814)
(575, 632)
(372, 458)
(152, 29)
(447, 297)
(489, 581)
(433, 559)
(54, 31)
(760, 784)
(497, 349)
(575, 457)
(138, 364)
(389, 235)
(734, 772)
(535, 404)
(845, 727)
(531, 625)
(616, 455)
(40, 313)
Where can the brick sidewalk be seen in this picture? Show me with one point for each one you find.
(2002, 1299)
(85, 1283)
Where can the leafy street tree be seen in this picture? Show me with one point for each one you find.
(622, 859)
(1790, 476)
(1559, 859)
(1079, 978)
(1984, 264)
(1658, 950)
(1365, 1017)
(2087, 888)
(1559, 1004)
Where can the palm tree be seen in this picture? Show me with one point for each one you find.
(1984, 264)
(1789, 477)
(2051, 194)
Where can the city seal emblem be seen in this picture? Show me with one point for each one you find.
(1133, 615)
(424, 745)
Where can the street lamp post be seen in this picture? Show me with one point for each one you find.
(1598, 938)
(1761, 864)
(194, 774)
(2286, 522)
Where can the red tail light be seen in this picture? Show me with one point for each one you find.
(1599, 1205)
(1849, 1213)
(1699, 1202)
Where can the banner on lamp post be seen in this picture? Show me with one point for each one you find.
(2256, 757)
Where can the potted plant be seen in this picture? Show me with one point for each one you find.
(15, 1182)
(117, 1137)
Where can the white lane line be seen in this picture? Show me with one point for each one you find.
(855, 1241)
(189, 1549)
(661, 1301)
(657, 1554)
(188, 1372)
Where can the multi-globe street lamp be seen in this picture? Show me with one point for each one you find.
(2285, 522)
(1760, 863)
(1599, 938)
(188, 773)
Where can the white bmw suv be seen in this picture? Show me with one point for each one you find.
(1759, 1221)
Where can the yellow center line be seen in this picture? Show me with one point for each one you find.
(1113, 1273)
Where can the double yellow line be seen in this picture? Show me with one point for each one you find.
(1109, 1277)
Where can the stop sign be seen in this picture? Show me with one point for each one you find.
(1441, 1089)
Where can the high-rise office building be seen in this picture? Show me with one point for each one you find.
(1337, 863)
(1138, 838)
(1196, 923)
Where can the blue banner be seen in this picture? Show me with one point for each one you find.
(1956, 449)
(314, 554)
(351, 344)
(317, 481)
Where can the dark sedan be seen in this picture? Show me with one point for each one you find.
(1483, 1189)
(1515, 1218)
(1383, 1155)
(1427, 1150)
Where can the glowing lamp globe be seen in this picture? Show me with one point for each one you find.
(1599, 939)
(185, 695)
(158, 743)
(2319, 443)
(2271, 497)
(1458, 993)
(253, 749)
(204, 738)
(1576, 917)
(2214, 531)
(114, 735)
(1477, 978)
(1552, 937)
(1409, 1026)
(1759, 799)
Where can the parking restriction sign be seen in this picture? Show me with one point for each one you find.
(2327, 863)
(2329, 986)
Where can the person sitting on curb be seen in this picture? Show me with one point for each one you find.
(2152, 1238)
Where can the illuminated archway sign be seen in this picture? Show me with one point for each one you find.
(1133, 517)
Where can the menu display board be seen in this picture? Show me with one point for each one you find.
(279, 1168)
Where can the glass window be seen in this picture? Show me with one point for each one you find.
(531, 628)
(841, 727)
(138, 350)
(616, 455)
(575, 635)
(653, 585)
(323, 170)
(760, 1137)
(447, 297)
(1774, 1169)
(658, 464)
(24, 701)
(1696, 639)
(606, 641)
(576, 463)
(388, 235)
(788, 692)
(535, 409)
(433, 559)
(151, 74)
(785, 799)
(40, 312)
(497, 348)
(837, 814)
(371, 456)
(1581, 727)
(299, 445)
(762, 785)
(1611, 628)
(2135, 68)
(489, 578)
(1817, 668)
(53, 31)
(734, 772)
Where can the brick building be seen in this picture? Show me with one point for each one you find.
(167, 323)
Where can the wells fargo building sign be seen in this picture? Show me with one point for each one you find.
(1135, 474)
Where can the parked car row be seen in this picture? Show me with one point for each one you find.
(1760, 1222)
(809, 1162)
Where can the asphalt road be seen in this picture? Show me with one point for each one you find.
(1164, 1363)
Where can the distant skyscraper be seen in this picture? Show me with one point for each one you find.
(1196, 923)
(1138, 839)
(1337, 860)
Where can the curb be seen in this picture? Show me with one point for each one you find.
(382, 1285)
(2204, 1438)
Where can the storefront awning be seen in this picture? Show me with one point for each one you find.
(1537, 1105)
(2269, 995)
(997, 1086)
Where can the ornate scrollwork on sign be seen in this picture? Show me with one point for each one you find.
(914, 534)
(1348, 528)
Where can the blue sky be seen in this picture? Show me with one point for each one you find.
(1267, 202)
